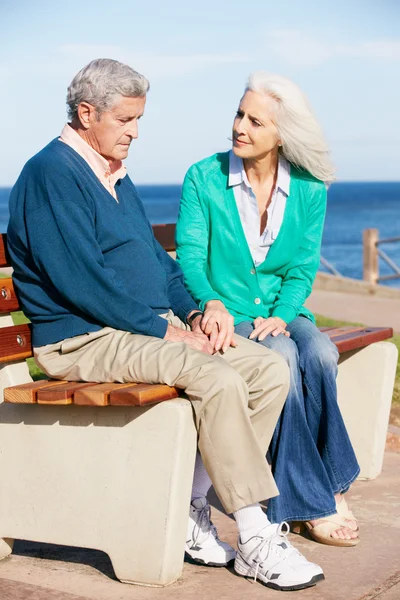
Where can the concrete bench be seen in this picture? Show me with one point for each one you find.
(110, 466)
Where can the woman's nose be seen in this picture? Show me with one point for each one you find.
(239, 126)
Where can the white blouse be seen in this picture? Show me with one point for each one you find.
(246, 201)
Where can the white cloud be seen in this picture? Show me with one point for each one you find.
(302, 50)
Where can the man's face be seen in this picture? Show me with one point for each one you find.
(112, 133)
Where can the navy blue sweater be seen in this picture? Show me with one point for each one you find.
(83, 261)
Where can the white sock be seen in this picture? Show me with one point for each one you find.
(250, 520)
(201, 480)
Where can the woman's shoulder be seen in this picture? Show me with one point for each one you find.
(306, 184)
(216, 164)
(304, 177)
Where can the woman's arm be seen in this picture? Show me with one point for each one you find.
(192, 243)
(301, 271)
(192, 239)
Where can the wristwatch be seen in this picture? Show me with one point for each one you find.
(196, 313)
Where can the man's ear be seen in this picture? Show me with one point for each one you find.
(86, 114)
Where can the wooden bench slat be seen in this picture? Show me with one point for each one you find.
(352, 340)
(97, 394)
(8, 299)
(142, 394)
(61, 394)
(338, 331)
(26, 393)
(15, 343)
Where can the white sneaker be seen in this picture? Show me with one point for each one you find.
(270, 558)
(202, 543)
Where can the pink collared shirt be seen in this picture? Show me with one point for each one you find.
(106, 173)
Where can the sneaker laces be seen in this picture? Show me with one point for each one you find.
(264, 548)
(204, 523)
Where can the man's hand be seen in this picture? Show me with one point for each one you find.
(196, 339)
(264, 327)
(217, 323)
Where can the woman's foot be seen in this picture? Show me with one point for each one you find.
(338, 532)
(344, 511)
(339, 529)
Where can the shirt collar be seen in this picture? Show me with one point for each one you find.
(237, 173)
(98, 163)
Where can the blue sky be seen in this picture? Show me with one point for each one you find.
(344, 54)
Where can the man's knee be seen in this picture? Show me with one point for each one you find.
(276, 369)
(222, 378)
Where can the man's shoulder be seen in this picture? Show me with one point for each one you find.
(53, 156)
(216, 164)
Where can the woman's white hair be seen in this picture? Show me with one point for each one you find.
(101, 83)
(302, 140)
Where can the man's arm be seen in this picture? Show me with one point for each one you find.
(181, 301)
(70, 257)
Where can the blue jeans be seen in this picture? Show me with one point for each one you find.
(312, 456)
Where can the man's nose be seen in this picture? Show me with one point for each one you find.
(133, 130)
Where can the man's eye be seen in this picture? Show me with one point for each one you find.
(239, 113)
(256, 123)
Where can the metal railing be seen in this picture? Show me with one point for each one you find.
(329, 267)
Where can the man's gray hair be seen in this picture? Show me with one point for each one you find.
(101, 83)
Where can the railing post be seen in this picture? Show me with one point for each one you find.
(371, 264)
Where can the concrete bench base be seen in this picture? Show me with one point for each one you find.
(112, 479)
(365, 389)
(119, 479)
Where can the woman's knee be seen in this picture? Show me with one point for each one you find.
(285, 347)
(320, 351)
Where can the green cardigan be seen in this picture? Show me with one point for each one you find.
(214, 255)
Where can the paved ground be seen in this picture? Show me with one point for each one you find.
(358, 308)
(367, 572)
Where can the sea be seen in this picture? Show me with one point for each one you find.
(352, 207)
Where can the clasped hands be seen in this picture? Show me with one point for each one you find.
(213, 332)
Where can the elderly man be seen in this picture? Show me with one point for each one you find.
(107, 303)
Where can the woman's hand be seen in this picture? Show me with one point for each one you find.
(217, 323)
(264, 327)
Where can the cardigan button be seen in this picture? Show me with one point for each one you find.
(252, 271)
(257, 301)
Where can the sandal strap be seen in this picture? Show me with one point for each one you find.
(330, 524)
(344, 511)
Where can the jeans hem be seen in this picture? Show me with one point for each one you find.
(311, 517)
(345, 487)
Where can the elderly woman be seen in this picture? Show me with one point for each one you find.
(248, 241)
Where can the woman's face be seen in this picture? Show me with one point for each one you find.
(254, 133)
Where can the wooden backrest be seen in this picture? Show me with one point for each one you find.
(4, 257)
(15, 340)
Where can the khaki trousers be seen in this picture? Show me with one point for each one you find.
(237, 396)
